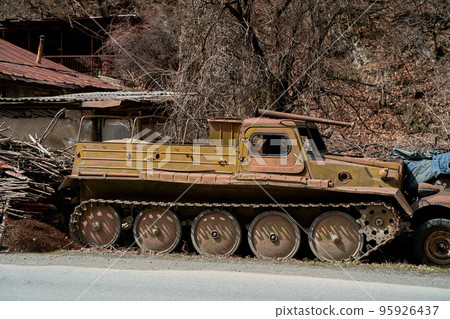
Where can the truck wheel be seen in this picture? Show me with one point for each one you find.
(432, 242)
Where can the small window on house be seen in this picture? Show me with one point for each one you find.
(270, 145)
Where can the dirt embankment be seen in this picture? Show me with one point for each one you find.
(28, 235)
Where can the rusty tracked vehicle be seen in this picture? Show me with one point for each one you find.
(267, 180)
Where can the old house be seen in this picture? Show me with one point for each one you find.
(55, 119)
(23, 73)
(76, 43)
(47, 100)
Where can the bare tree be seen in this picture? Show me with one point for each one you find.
(147, 53)
(343, 59)
(40, 9)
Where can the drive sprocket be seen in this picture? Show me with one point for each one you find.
(378, 223)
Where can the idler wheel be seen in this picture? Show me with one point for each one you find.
(157, 229)
(335, 236)
(99, 225)
(216, 233)
(274, 235)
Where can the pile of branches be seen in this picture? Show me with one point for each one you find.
(29, 176)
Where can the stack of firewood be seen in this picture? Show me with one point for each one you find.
(29, 175)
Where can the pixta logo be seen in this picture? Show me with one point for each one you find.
(147, 151)
(209, 151)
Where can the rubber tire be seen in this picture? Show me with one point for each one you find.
(422, 233)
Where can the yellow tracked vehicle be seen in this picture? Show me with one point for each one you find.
(265, 180)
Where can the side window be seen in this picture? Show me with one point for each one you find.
(270, 144)
(311, 140)
(306, 144)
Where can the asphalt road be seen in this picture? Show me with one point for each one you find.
(100, 276)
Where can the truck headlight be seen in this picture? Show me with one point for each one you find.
(383, 173)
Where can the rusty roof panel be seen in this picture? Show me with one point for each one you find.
(20, 64)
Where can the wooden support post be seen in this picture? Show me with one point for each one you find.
(4, 218)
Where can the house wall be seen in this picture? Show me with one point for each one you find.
(63, 135)
(22, 122)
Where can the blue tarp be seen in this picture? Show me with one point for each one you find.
(421, 167)
(440, 164)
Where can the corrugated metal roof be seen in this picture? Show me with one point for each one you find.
(19, 64)
(53, 19)
(154, 96)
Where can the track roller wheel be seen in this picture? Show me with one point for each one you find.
(334, 236)
(157, 229)
(215, 233)
(274, 235)
(99, 225)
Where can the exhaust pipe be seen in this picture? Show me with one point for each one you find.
(40, 49)
(288, 116)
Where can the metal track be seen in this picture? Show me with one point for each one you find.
(75, 217)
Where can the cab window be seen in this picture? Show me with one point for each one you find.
(270, 144)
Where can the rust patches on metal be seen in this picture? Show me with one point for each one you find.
(426, 189)
(439, 200)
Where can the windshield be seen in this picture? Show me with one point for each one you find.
(312, 140)
(103, 128)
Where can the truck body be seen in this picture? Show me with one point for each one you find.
(267, 179)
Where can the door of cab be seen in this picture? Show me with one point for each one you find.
(270, 150)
